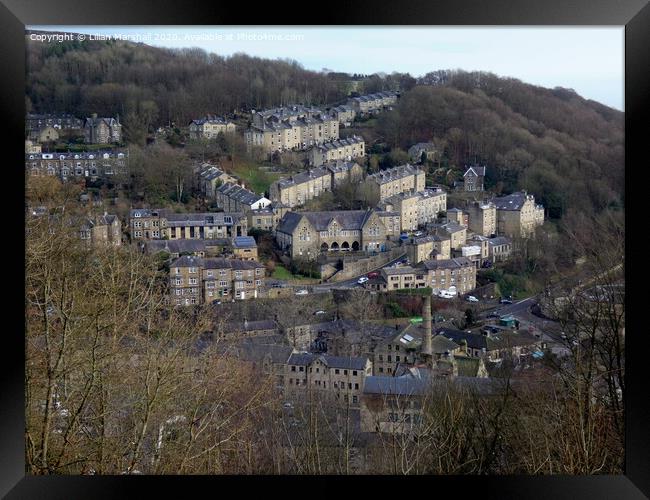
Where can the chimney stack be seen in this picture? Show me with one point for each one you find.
(426, 318)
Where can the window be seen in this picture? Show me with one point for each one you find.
(337, 371)
(354, 372)
(302, 368)
(345, 372)
(356, 386)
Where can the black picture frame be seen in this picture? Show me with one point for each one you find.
(633, 14)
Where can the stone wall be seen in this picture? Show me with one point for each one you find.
(357, 267)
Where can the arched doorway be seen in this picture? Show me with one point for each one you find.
(355, 246)
(334, 247)
(324, 247)
(345, 246)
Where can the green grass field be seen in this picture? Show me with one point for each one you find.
(255, 179)
(282, 273)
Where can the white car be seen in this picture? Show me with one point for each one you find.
(418, 233)
(302, 292)
(362, 280)
(444, 294)
(471, 298)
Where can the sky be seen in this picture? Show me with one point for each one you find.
(589, 60)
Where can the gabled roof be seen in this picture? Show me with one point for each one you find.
(476, 170)
(347, 219)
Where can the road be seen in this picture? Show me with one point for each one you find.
(351, 283)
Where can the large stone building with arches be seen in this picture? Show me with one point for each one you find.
(308, 234)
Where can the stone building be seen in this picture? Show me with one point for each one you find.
(211, 177)
(297, 189)
(308, 234)
(235, 198)
(427, 148)
(210, 126)
(267, 219)
(79, 165)
(518, 215)
(102, 230)
(458, 272)
(372, 103)
(344, 114)
(499, 248)
(146, 224)
(195, 280)
(456, 232)
(339, 149)
(416, 209)
(287, 130)
(44, 134)
(102, 130)
(36, 121)
(473, 178)
(244, 247)
(341, 378)
(428, 248)
(482, 218)
(396, 180)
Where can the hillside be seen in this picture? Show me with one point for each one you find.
(111, 77)
(565, 149)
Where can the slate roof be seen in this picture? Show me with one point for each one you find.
(252, 326)
(203, 219)
(244, 242)
(512, 201)
(176, 246)
(447, 263)
(341, 362)
(348, 219)
(277, 354)
(237, 192)
(488, 342)
(78, 155)
(339, 143)
(391, 174)
(307, 175)
(215, 263)
(93, 122)
(499, 240)
(478, 171)
(210, 120)
(402, 386)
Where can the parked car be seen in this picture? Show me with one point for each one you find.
(318, 313)
(471, 298)
(362, 280)
(302, 292)
(444, 294)
(505, 301)
(494, 315)
(373, 274)
(418, 233)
